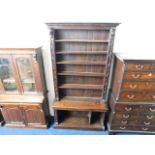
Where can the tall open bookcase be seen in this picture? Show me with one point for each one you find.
(81, 60)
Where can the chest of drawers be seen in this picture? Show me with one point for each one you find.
(132, 100)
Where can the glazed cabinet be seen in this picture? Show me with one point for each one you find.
(81, 61)
(22, 87)
(132, 100)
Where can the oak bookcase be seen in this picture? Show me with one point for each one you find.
(81, 59)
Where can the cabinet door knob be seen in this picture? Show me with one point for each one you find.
(147, 123)
(130, 96)
(149, 117)
(125, 116)
(122, 127)
(153, 96)
(145, 129)
(139, 66)
(135, 76)
(132, 86)
(152, 110)
(128, 109)
(124, 122)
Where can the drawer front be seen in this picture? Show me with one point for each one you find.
(139, 66)
(137, 96)
(133, 128)
(136, 76)
(132, 120)
(138, 86)
(134, 109)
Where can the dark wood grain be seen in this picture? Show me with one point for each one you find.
(24, 108)
(139, 76)
(138, 66)
(82, 25)
(132, 100)
(80, 106)
(81, 59)
(1, 119)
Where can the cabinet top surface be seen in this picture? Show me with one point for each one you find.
(21, 98)
(135, 56)
(27, 49)
(81, 25)
(18, 50)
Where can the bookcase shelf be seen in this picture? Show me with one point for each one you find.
(81, 63)
(81, 86)
(81, 98)
(80, 115)
(95, 74)
(82, 52)
(81, 60)
(82, 40)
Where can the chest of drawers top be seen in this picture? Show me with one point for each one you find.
(134, 79)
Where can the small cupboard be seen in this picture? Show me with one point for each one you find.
(22, 113)
(23, 91)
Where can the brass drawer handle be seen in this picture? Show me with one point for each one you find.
(149, 117)
(128, 109)
(145, 129)
(136, 76)
(152, 110)
(130, 96)
(124, 122)
(139, 66)
(150, 74)
(123, 127)
(126, 116)
(132, 86)
(147, 123)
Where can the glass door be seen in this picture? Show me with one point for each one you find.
(7, 75)
(25, 71)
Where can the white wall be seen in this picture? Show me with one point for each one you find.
(22, 24)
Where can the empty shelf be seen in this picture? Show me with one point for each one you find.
(81, 86)
(82, 98)
(81, 40)
(82, 52)
(82, 62)
(82, 74)
(79, 123)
